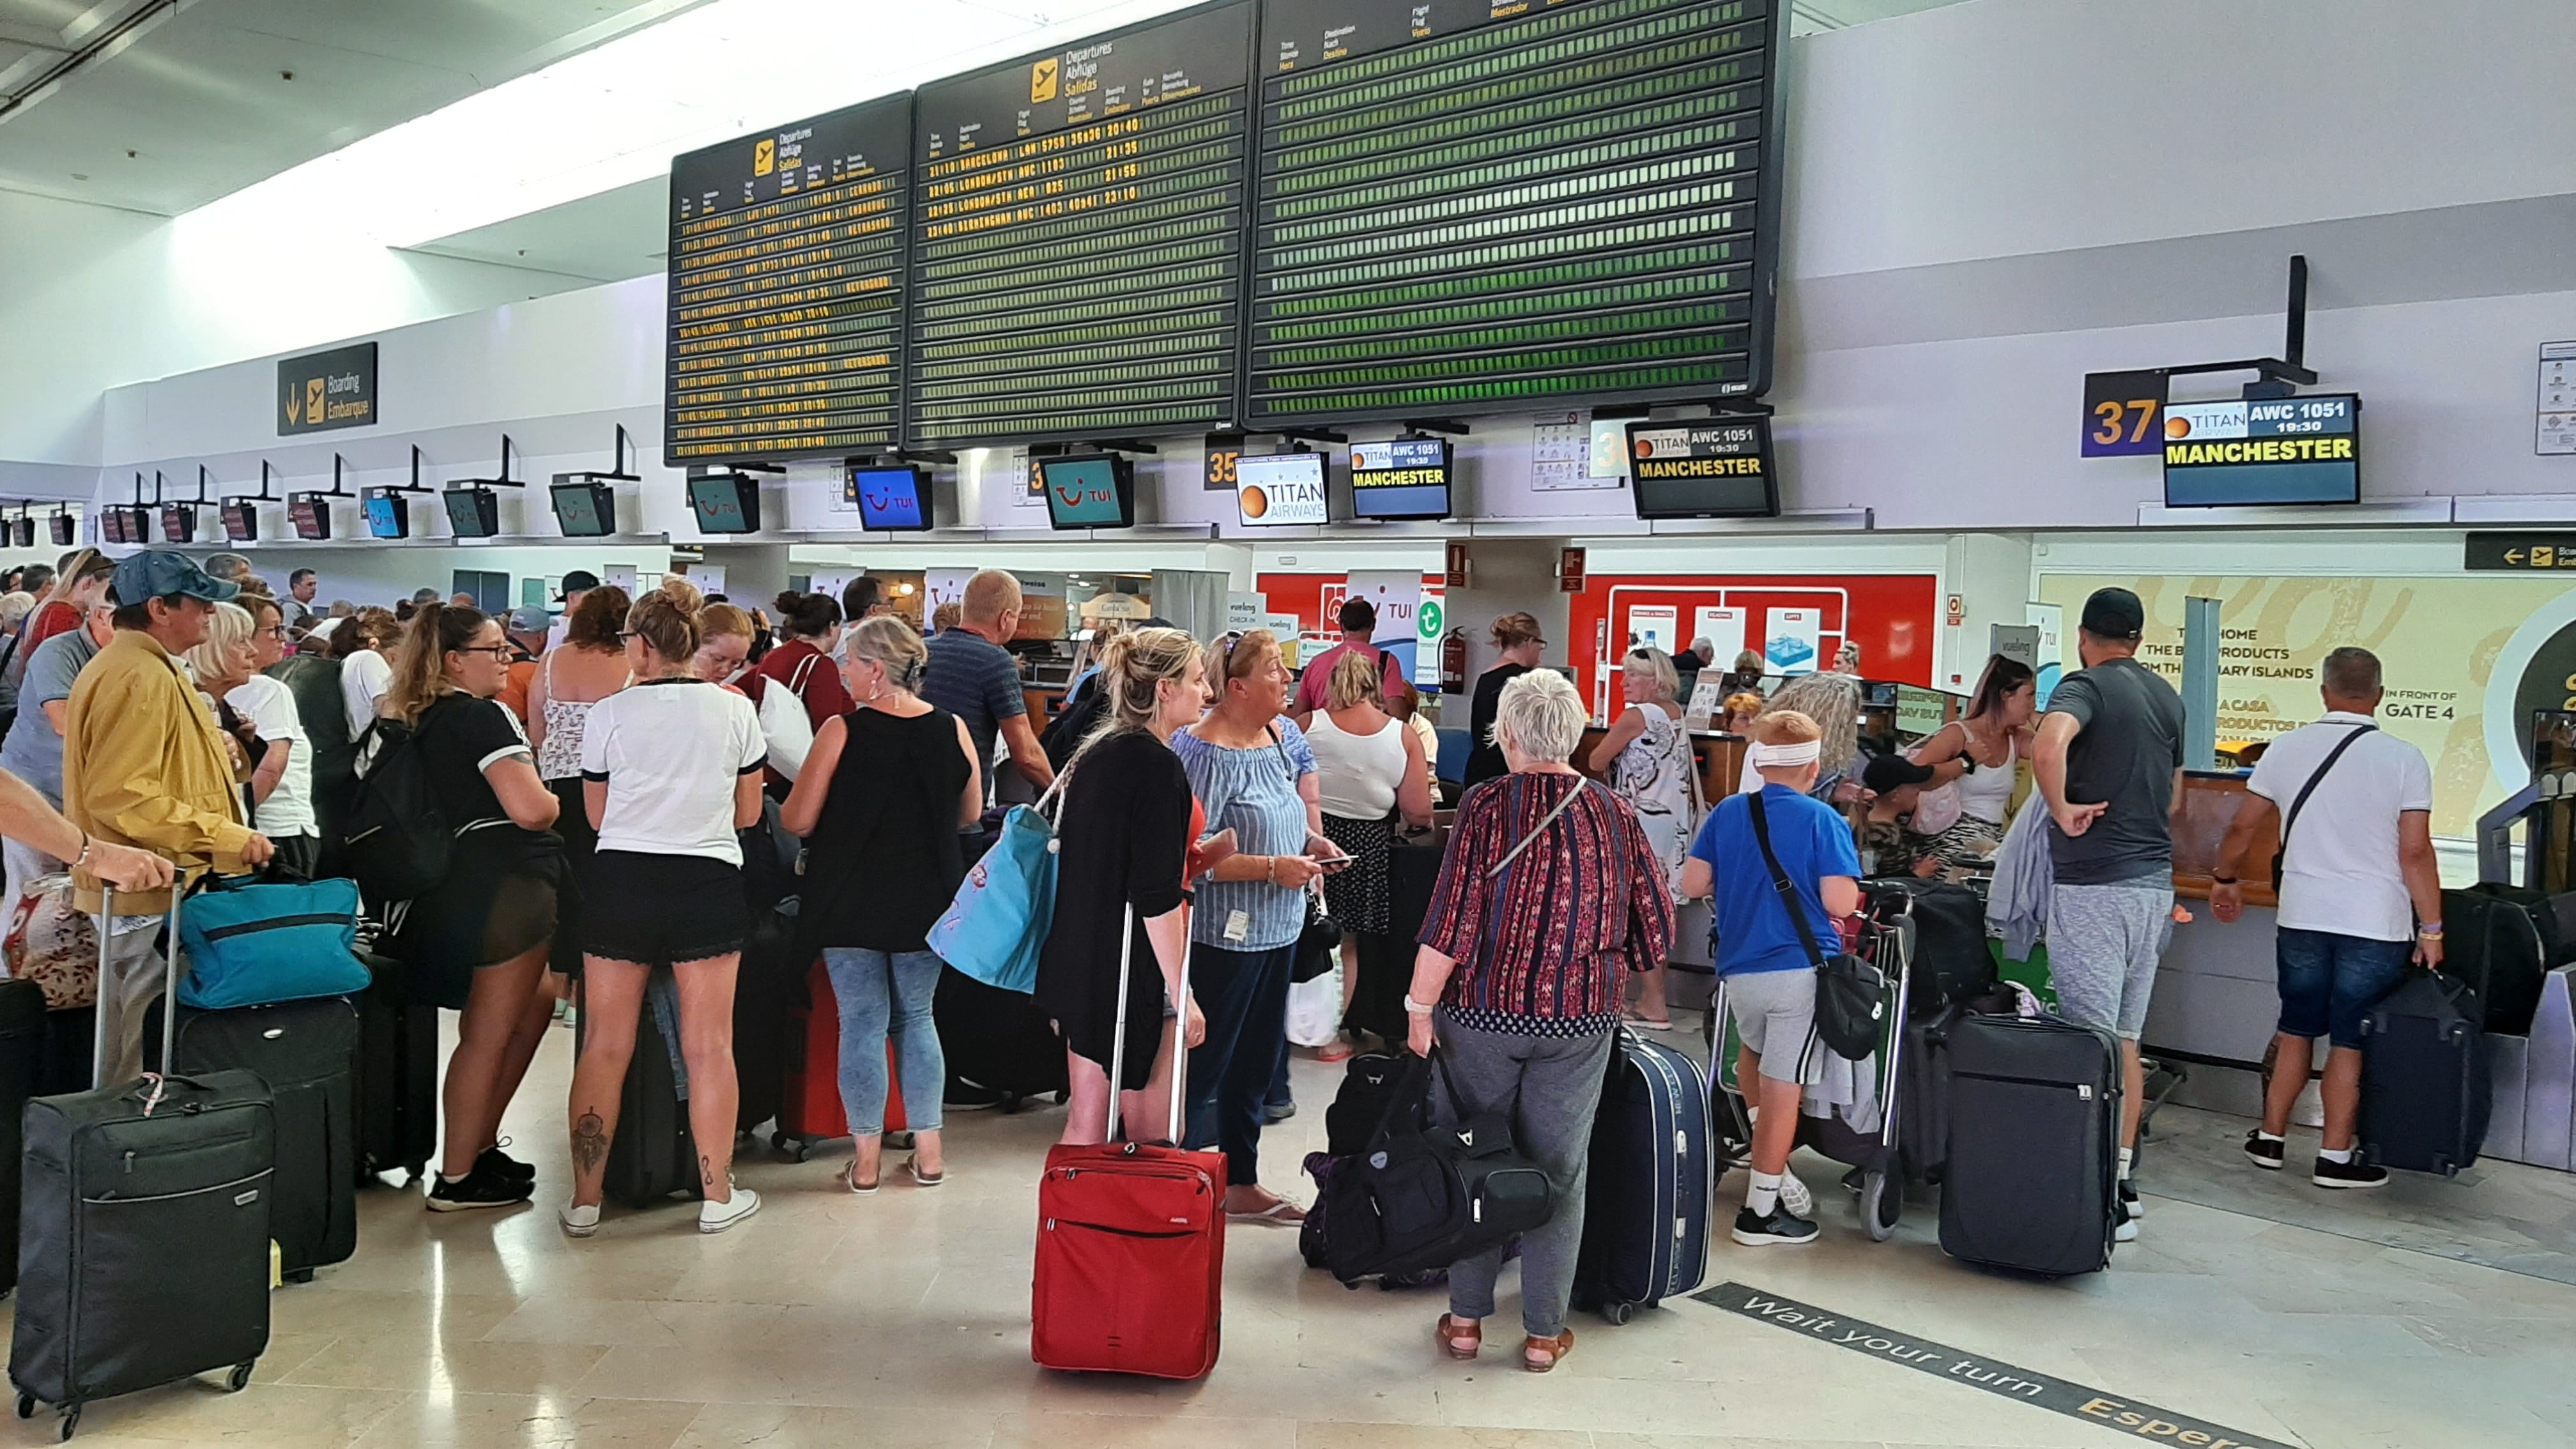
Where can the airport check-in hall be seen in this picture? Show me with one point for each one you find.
(1382, 724)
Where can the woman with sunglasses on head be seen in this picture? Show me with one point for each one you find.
(1251, 769)
(881, 801)
(80, 587)
(477, 941)
(670, 771)
(227, 667)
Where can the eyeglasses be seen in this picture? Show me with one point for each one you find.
(501, 651)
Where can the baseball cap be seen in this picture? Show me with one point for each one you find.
(158, 573)
(529, 619)
(2114, 613)
(1893, 772)
(578, 581)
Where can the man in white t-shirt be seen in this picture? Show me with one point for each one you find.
(2361, 895)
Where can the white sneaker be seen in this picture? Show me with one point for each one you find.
(2127, 1229)
(1795, 1197)
(715, 1217)
(578, 1221)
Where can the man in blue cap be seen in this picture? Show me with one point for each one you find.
(144, 765)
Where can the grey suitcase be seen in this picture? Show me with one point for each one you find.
(143, 1234)
(2029, 1181)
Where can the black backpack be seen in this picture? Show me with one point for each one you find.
(1073, 724)
(398, 842)
(1421, 1196)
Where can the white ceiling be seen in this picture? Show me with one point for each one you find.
(195, 100)
(1806, 17)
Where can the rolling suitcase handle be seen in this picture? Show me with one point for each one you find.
(1118, 1035)
(169, 996)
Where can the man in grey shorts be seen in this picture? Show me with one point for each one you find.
(2109, 763)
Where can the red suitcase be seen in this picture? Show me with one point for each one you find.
(809, 1106)
(1131, 1247)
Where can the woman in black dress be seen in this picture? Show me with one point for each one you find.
(881, 801)
(478, 940)
(1124, 836)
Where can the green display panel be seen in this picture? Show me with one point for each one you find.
(1078, 238)
(786, 289)
(1489, 205)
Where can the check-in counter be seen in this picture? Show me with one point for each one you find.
(2217, 996)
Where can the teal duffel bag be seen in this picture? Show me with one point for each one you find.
(256, 940)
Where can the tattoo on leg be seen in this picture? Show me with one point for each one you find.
(589, 1142)
(706, 1172)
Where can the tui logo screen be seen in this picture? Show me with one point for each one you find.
(891, 499)
(1086, 493)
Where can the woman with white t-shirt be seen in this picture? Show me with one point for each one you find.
(670, 768)
(359, 645)
(281, 781)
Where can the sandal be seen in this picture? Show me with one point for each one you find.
(1539, 1355)
(1282, 1213)
(1459, 1343)
(850, 1180)
(912, 1165)
(1648, 1022)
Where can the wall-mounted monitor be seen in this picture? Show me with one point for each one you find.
(1404, 478)
(241, 520)
(584, 507)
(1280, 489)
(311, 515)
(1703, 468)
(725, 502)
(1094, 490)
(178, 523)
(2258, 451)
(126, 523)
(472, 512)
(66, 528)
(24, 531)
(388, 514)
(895, 499)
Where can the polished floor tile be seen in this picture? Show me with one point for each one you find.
(902, 1319)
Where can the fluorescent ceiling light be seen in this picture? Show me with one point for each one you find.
(617, 113)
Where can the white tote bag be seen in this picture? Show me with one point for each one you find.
(784, 724)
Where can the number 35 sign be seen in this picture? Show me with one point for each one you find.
(2123, 414)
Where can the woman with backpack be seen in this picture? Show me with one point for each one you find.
(477, 940)
(881, 801)
(670, 770)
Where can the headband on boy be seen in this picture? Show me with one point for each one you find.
(1776, 757)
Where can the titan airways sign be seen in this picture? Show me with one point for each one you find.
(2251, 451)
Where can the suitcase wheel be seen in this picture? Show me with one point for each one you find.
(298, 1275)
(1012, 1102)
(1882, 1203)
(26, 1406)
(71, 1421)
(239, 1378)
(1618, 1310)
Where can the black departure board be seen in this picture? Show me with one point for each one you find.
(1485, 205)
(1077, 261)
(786, 278)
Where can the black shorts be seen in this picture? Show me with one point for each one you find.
(661, 910)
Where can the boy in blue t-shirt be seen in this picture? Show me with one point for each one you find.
(1770, 979)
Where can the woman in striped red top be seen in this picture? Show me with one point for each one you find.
(1550, 890)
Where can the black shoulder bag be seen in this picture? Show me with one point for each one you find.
(2301, 802)
(1319, 943)
(1851, 994)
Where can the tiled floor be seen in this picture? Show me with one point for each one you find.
(902, 1320)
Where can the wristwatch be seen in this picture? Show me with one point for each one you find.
(1415, 1008)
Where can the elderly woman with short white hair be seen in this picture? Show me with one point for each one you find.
(1549, 894)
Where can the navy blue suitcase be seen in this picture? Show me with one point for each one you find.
(2426, 1088)
(1649, 1179)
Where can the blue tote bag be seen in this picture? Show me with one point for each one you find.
(259, 940)
(997, 923)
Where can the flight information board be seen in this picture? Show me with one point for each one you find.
(1078, 252)
(786, 278)
(1484, 205)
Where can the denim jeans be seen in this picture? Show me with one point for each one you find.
(886, 994)
(2329, 982)
(1244, 996)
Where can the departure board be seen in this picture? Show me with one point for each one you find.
(1078, 259)
(1486, 205)
(786, 277)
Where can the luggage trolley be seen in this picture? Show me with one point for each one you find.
(1887, 942)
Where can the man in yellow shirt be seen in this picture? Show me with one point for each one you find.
(144, 765)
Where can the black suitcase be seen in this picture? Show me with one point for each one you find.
(22, 1057)
(997, 1041)
(1649, 1180)
(1951, 962)
(2426, 1088)
(652, 1156)
(2029, 1180)
(143, 1235)
(396, 1109)
(1386, 962)
(66, 1064)
(765, 991)
(307, 1053)
(2501, 941)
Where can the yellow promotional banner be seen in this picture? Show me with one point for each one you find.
(2466, 661)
